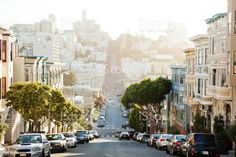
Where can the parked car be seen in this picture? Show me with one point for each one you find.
(152, 139)
(117, 134)
(174, 143)
(95, 133)
(200, 144)
(131, 133)
(57, 142)
(124, 135)
(90, 136)
(100, 123)
(135, 135)
(31, 144)
(144, 139)
(161, 142)
(139, 136)
(82, 136)
(70, 139)
(125, 114)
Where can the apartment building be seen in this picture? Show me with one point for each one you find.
(7, 53)
(230, 109)
(190, 84)
(219, 87)
(201, 79)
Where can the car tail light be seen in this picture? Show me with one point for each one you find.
(162, 139)
(193, 153)
(177, 143)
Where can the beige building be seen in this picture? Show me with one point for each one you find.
(219, 87)
(231, 56)
(190, 84)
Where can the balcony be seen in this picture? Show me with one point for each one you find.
(189, 101)
(222, 93)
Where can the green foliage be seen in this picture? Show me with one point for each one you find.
(35, 100)
(218, 122)
(134, 120)
(232, 131)
(198, 123)
(30, 99)
(173, 130)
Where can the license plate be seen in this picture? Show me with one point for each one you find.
(205, 152)
(22, 154)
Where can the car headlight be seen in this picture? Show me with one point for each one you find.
(36, 149)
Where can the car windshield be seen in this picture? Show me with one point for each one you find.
(146, 136)
(156, 135)
(68, 134)
(166, 136)
(180, 137)
(80, 133)
(205, 139)
(52, 137)
(29, 139)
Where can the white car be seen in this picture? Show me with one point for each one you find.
(31, 144)
(70, 139)
(162, 141)
(57, 142)
(139, 136)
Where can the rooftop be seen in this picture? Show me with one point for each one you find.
(215, 17)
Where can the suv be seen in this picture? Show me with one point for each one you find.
(31, 144)
(82, 136)
(200, 144)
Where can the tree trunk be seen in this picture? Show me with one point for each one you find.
(234, 148)
(49, 121)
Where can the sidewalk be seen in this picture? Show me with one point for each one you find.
(231, 154)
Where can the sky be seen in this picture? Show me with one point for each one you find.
(116, 16)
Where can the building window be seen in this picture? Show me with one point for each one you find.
(229, 22)
(4, 87)
(213, 46)
(4, 50)
(234, 62)
(228, 62)
(234, 22)
(11, 53)
(223, 78)
(206, 54)
(199, 86)
(213, 77)
(181, 79)
(199, 57)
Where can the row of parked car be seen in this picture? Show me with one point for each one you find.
(102, 116)
(39, 144)
(191, 145)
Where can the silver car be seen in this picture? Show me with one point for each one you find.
(70, 139)
(31, 144)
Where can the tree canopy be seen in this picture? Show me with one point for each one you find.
(148, 95)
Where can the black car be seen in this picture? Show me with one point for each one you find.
(200, 144)
(82, 136)
(152, 139)
(144, 139)
(131, 134)
(174, 143)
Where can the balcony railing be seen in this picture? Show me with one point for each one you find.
(224, 93)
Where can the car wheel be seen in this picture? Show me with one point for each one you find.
(49, 153)
(43, 154)
(172, 151)
(75, 145)
(167, 150)
(187, 154)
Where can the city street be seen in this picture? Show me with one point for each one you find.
(107, 145)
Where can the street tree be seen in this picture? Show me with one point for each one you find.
(148, 95)
(30, 99)
(198, 123)
(232, 134)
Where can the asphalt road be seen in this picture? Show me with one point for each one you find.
(107, 145)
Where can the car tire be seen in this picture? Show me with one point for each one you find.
(74, 146)
(49, 153)
(167, 150)
(43, 154)
(172, 151)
